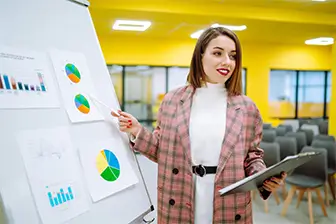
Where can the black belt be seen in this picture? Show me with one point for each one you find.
(201, 170)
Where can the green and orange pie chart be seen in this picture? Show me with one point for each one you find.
(72, 73)
(82, 104)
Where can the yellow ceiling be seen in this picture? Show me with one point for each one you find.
(275, 21)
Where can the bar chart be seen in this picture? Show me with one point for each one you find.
(26, 80)
(60, 197)
(10, 83)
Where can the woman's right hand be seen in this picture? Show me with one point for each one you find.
(127, 123)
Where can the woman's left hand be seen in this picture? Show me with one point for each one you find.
(274, 183)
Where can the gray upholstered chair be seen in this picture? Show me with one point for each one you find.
(280, 131)
(324, 137)
(288, 147)
(288, 127)
(271, 152)
(313, 127)
(307, 178)
(271, 157)
(303, 121)
(331, 155)
(324, 127)
(309, 135)
(268, 135)
(301, 139)
(267, 126)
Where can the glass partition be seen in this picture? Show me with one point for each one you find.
(299, 94)
(144, 85)
(282, 92)
(311, 87)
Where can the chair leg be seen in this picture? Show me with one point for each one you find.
(302, 191)
(331, 181)
(310, 207)
(288, 200)
(253, 194)
(266, 206)
(319, 196)
(326, 198)
(284, 191)
(276, 197)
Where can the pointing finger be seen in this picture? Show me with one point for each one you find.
(114, 114)
(127, 115)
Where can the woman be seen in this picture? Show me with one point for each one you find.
(207, 137)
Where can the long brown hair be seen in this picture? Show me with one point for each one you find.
(196, 72)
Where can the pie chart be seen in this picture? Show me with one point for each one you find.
(108, 165)
(82, 104)
(72, 73)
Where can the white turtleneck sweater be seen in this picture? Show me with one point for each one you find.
(207, 129)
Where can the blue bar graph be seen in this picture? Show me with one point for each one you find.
(10, 83)
(55, 200)
(1, 84)
(6, 80)
(20, 86)
(51, 199)
(41, 82)
(70, 192)
(63, 195)
(60, 197)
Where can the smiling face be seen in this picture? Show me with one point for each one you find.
(219, 59)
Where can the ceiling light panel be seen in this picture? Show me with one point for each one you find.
(131, 25)
(198, 33)
(320, 41)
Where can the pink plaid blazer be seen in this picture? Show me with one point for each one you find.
(169, 146)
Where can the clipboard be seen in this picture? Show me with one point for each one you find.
(256, 180)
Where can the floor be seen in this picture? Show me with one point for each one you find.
(294, 215)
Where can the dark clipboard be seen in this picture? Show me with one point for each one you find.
(256, 180)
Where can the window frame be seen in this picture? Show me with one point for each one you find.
(297, 86)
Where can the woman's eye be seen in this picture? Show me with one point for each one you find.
(233, 57)
(218, 53)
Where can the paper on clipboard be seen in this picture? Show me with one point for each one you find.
(256, 180)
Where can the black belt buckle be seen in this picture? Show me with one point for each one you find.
(200, 170)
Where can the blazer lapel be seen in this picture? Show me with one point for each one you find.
(183, 117)
(234, 122)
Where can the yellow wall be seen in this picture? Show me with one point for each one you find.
(332, 117)
(258, 58)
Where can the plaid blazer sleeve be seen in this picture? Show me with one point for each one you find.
(146, 142)
(254, 160)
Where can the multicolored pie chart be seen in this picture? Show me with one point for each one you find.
(72, 73)
(82, 104)
(108, 165)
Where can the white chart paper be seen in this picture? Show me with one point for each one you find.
(76, 85)
(106, 167)
(25, 80)
(53, 171)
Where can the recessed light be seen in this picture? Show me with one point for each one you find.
(131, 25)
(230, 27)
(319, 0)
(320, 41)
(198, 33)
